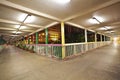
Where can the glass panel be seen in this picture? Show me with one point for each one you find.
(54, 34)
(102, 37)
(41, 37)
(90, 36)
(98, 37)
(74, 34)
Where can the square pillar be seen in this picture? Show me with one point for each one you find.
(63, 39)
(36, 38)
(86, 40)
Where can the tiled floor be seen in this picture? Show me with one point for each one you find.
(99, 64)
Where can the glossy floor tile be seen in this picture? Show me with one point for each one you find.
(98, 64)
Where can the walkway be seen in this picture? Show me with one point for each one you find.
(99, 64)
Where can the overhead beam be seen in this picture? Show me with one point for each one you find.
(33, 25)
(9, 21)
(49, 25)
(93, 9)
(18, 23)
(27, 31)
(6, 33)
(4, 28)
(113, 23)
(28, 10)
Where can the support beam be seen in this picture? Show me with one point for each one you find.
(4, 28)
(95, 37)
(18, 23)
(109, 3)
(49, 25)
(63, 39)
(86, 36)
(46, 36)
(13, 29)
(113, 23)
(28, 10)
(86, 40)
(9, 21)
(37, 37)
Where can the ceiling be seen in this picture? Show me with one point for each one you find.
(45, 13)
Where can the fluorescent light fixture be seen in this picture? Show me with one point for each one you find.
(100, 19)
(93, 21)
(96, 20)
(107, 27)
(30, 19)
(17, 26)
(14, 32)
(14, 35)
(109, 31)
(23, 27)
(62, 1)
(112, 31)
(22, 17)
(17, 32)
(104, 28)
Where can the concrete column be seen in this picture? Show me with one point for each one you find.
(95, 37)
(46, 41)
(37, 37)
(63, 39)
(46, 36)
(101, 37)
(95, 45)
(85, 35)
(86, 40)
(28, 40)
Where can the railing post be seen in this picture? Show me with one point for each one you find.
(63, 39)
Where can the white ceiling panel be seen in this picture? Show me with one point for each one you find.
(60, 10)
(46, 12)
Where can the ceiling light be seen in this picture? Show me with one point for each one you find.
(17, 26)
(62, 1)
(96, 20)
(104, 28)
(107, 27)
(93, 21)
(30, 19)
(109, 31)
(23, 27)
(16, 32)
(22, 17)
(14, 35)
(100, 19)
